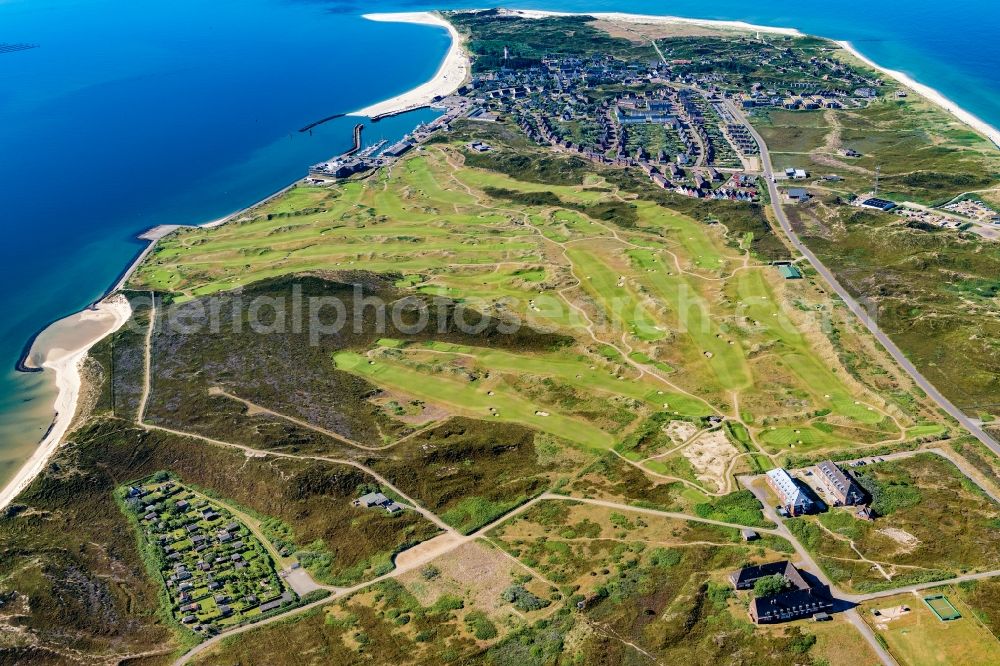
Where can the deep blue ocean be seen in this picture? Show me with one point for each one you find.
(131, 114)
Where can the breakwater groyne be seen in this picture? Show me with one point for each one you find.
(399, 112)
(357, 139)
(320, 122)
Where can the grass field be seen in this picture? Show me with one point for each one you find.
(925, 156)
(459, 397)
(919, 638)
(924, 281)
(568, 541)
(664, 312)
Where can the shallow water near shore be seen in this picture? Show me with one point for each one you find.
(129, 115)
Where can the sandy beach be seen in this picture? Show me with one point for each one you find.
(61, 348)
(931, 95)
(450, 76)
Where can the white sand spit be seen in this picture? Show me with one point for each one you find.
(449, 78)
(61, 348)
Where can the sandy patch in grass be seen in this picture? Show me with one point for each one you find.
(887, 615)
(472, 571)
(426, 551)
(415, 412)
(642, 32)
(902, 537)
(710, 455)
(680, 431)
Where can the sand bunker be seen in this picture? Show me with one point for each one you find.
(680, 431)
(710, 455)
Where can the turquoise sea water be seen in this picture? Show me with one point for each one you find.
(130, 114)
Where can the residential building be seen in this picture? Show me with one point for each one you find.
(379, 500)
(792, 495)
(799, 194)
(792, 605)
(801, 599)
(372, 499)
(745, 578)
(839, 484)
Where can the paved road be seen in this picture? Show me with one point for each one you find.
(338, 594)
(909, 589)
(963, 465)
(804, 557)
(854, 617)
(783, 531)
(894, 351)
(813, 567)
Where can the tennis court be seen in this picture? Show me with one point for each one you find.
(943, 608)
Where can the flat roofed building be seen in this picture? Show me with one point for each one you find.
(789, 272)
(840, 484)
(399, 148)
(791, 494)
(878, 204)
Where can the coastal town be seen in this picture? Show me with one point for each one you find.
(682, 119)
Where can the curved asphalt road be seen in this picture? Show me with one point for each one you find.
(852, 304)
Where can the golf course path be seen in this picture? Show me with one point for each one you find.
(870, 323)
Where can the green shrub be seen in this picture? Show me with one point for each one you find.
(770, 585)
(447, 603)
(665, 557)
(481, 626)
(740, 508)
(522, 599)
